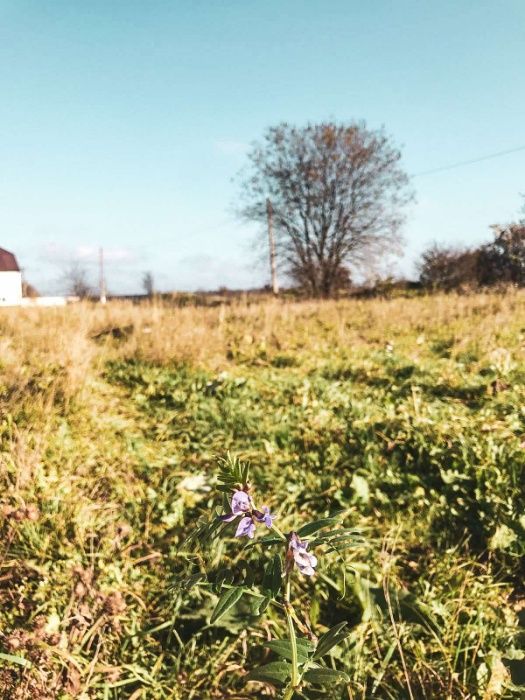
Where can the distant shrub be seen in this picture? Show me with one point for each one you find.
(444, 268)
(503, 260)
(500, 262)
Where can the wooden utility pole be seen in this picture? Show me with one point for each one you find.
(102, 279)
(269, 212)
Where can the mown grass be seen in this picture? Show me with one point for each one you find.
(407, 415)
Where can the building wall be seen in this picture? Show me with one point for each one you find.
(10, 288)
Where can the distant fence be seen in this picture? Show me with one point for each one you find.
(48, 301)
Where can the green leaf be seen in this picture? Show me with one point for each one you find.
(339, 545)
(330, 639)
(503, 538)
(226, 601)
(325, 676)
(409, 608)
(274, 672)
(339, 537)
(361, 489)
(222, 576)
(193, 580)
(16, 660)
(340, 532)
(268, 539)
(383, 667)
(261, 604)
(310, 528)
(205, 530)
(186, 582)
(282, 647)
(272, 579)
(232, 472)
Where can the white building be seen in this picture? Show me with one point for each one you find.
(10, 280)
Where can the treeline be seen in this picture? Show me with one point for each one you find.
(331, 197)
(499, 262)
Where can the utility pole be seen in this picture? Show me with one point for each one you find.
(102, 279)
(269, 213)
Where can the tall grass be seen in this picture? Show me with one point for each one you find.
(406, 414)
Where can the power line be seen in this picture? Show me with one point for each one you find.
(460, 164)
(171, 238)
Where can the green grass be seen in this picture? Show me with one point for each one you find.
(414, 428)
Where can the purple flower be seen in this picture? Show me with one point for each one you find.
(265, 517)
(241, 503)
(246, 528)
(305, 561)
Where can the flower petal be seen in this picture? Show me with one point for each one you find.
(265, 517)
(228, 517)
(307, 570)
(241, 502)
(301, 558)
(246, 528)
(295, 543)
(304, 560)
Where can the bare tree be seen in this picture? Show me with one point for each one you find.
(148, 283)
(29, 291)
(337, 194)
(76, 280)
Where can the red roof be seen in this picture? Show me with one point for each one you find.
(8, 262)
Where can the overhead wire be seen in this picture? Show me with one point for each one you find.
(472, 161)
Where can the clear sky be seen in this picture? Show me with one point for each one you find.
(122, 122)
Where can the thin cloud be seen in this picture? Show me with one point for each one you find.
(59, 253)
(230, 147)
(117, 254)
(203, 271)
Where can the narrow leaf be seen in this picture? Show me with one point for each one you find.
(16, 660)
(310, 528)
(330, 639)
(222, 576)
(383, 667)
(274, 672)
(339, 534)
(260, 604)
(226, 601)
(265, 603)
(282, 647)
(325, 676)
(273, 575)
(268, 539)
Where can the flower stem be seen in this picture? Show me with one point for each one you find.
(281, 534)
(293, 640)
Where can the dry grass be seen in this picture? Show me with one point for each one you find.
(64, 337)
(90, 460)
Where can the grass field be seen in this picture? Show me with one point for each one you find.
(406, 415)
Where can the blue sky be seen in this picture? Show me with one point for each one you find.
(122, 122)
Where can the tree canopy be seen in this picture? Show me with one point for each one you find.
(503, 260)
(337, 193)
